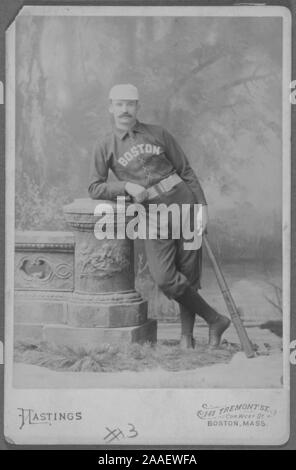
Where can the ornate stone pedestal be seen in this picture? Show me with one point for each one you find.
(79, 291)
(104, 306)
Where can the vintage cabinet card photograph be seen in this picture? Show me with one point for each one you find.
(147, 276)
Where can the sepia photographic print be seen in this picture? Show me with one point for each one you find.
(147, 294)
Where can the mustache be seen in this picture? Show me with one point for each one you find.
(125, 115)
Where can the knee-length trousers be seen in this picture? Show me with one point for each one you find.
(172, 266)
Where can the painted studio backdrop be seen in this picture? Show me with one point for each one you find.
(214, 83)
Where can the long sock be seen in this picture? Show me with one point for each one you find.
(187, 321)
(194, 303)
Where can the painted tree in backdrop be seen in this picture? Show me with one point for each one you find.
(215, 83)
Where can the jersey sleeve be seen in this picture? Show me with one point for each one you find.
(179, 160)
(99, 188)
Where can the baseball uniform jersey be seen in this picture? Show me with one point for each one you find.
(145, 155)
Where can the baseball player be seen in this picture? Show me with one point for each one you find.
(151, 167)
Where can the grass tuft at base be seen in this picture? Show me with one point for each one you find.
(133, 357)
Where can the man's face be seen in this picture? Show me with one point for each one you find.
(124, 112)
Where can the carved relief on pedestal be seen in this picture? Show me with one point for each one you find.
(43, 272)
(40, 269)
(103, 261)
(103, 265)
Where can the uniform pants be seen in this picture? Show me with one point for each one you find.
(172, 267)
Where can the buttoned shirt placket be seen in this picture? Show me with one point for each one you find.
(133, 140)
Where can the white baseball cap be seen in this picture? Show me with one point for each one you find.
(124, 92)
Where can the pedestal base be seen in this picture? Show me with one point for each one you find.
(92, 338)
(28, 332)
(59, 318)
(40, 308)
(93, 315)
(52, 308)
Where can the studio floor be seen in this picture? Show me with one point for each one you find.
(263, 371)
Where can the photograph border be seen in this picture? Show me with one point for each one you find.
(287, 224)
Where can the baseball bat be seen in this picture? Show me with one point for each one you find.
(232, 308)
